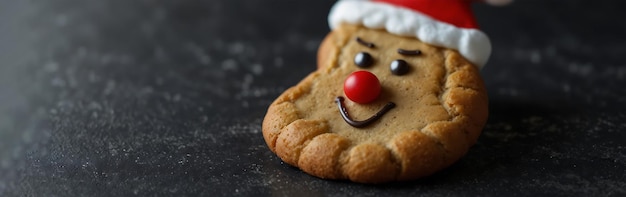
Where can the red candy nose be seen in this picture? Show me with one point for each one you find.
(362, 87)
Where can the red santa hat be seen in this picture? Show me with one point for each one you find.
(445, 23)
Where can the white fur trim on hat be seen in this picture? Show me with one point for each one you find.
(472, 44)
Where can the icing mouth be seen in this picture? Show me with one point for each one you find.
(362, 123)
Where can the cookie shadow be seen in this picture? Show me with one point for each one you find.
(513, 133)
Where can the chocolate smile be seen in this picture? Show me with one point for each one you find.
(363, 123)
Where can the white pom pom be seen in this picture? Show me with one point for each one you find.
(499, 2)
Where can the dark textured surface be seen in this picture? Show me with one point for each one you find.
(108, 98)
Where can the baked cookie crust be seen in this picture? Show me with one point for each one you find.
(441, 108)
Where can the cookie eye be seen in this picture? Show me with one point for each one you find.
(399, 67)
(363, 59)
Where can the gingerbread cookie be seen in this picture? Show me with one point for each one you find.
(383, 105)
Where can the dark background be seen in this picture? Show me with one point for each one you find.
(166, 98)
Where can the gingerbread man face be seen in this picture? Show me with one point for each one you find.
(380, 107)
(381, 48)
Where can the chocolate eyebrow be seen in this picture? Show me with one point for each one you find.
(409, 52)
(364, 43)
